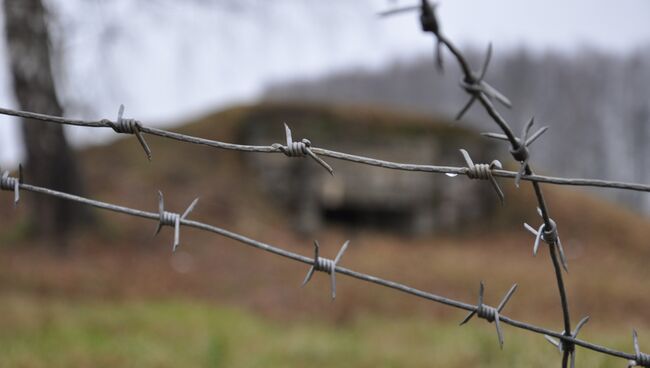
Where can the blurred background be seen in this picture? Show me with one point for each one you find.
(83, 288)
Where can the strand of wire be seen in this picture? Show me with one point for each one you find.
(478, 90)
(598, 183)
(331, 267)
(520, 152)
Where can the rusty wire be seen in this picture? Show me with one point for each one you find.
(329, 266)
(279, 148)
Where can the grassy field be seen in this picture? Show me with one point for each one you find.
(39, 332)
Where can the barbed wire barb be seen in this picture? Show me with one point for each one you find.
(429, 23)
(482, 172)
(475, 86)
(548, 232)
(129, 126)
(300, 149)
(520, 151)
(172, 219)
(490, 314)
(565, 346)
(640, 359)
(325, 265)
(398, 10)
(10, 183)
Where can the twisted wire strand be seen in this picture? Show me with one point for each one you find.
(169, 218)
(300, 149)
(483, 172)
(385, 164)
(547, 231)
(640, 359)
(521, 153)
(129, 126)
(518, 154)
(569, 348)
(325, 265)
(10, 183)
(526, 170)
(564, 337)
(126, 126)
(489, 313)
(172, 219)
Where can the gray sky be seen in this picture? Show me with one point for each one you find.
(188, 60)
(618, 26)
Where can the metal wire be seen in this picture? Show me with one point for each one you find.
(492, 314)
(480, 91)
(475, 85)
(277, 148)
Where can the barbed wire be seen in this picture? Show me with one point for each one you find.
(332, 267)
(479, 90)
(137, 126)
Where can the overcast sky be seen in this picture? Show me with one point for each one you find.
(186, 59)
(618, 26)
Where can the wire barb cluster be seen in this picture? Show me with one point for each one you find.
(300, 149)
(519, 149)
(430, 23)
(129, 126)
(489, 313)
(475, 85)
(640, 359)
(567, 346)
(482, 172)
(172, 219)
(325, 265)
(10, 183)
(548, 232)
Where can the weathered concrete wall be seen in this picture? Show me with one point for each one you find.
(412, 202)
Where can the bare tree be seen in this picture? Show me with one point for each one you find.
(50, 161)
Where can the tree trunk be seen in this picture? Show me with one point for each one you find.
(50, 161)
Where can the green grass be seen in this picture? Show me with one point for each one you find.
(37, 332)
